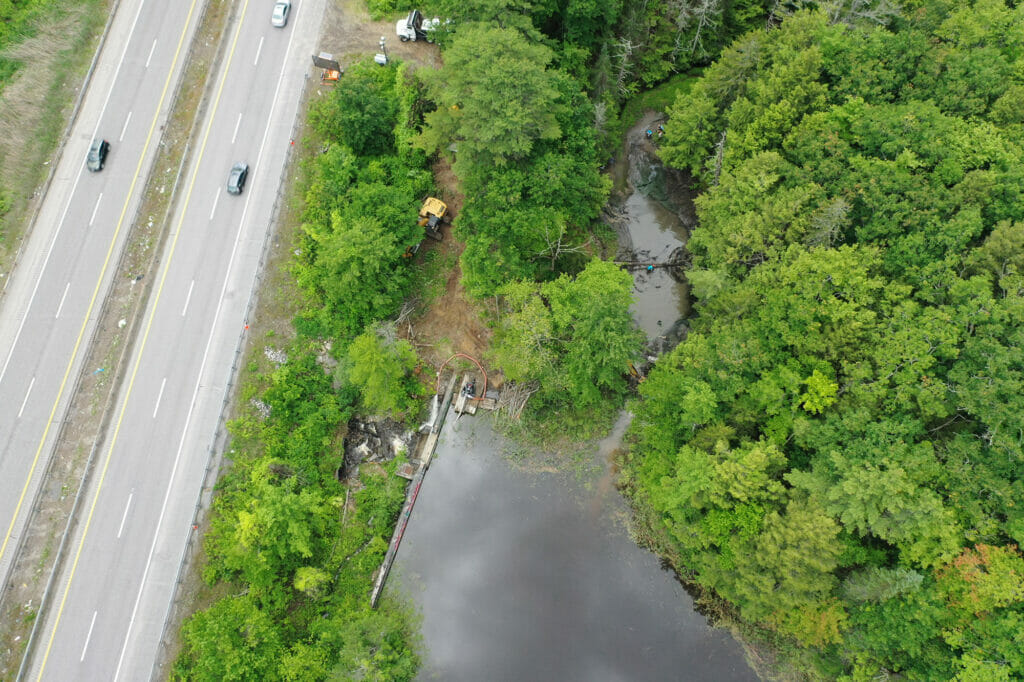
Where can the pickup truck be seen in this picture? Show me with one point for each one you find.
(415, 27)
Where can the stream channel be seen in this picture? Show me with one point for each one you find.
(522, 566)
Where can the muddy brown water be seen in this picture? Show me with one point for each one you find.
(522, 566)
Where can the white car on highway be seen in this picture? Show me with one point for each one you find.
(280, 15)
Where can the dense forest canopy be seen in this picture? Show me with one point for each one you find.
(529, 93)
(836, 449)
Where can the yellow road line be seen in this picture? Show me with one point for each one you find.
(145, 336)
(95, 292)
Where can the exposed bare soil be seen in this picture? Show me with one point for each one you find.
(350, 35)
(452, 323)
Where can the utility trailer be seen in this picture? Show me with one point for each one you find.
(331, 69)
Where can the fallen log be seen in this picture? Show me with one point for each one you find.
(641, 264)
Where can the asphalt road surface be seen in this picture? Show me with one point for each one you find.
(54, 298)
(113, 597)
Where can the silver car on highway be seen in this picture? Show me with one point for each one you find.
(280, 15)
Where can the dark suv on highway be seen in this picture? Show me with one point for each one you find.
(97, 155)
(236, 179)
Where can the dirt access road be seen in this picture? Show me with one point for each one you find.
(450, 323)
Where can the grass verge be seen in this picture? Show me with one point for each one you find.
(658, 98)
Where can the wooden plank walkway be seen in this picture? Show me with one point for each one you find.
(415, 471)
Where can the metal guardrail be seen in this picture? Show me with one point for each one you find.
(90, 462)
(35, 216)
(86, 473)
(214, 455)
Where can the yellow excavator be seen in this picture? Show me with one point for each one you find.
(433, 213)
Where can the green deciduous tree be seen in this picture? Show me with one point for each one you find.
(310, 579)
(356, 275)
(360, 112)
(235, 639)
(755, 213)
(303, 413)
(496, 97)
(372, 645)
(573, 335)
(984, 578)
(380, 366)
(280, 527)
(505, 14)
(789, 565)
(352, 260)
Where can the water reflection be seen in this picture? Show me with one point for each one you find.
(659, 300)
(526, 573)
(523, 573)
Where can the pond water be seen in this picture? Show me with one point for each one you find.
(525, 573)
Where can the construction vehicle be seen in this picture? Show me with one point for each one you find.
(414, 27)
(432, 214)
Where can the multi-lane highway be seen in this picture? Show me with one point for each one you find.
(56, 293)
(112, 599)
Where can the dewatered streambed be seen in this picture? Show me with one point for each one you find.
(652, 212)
(523, 567)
